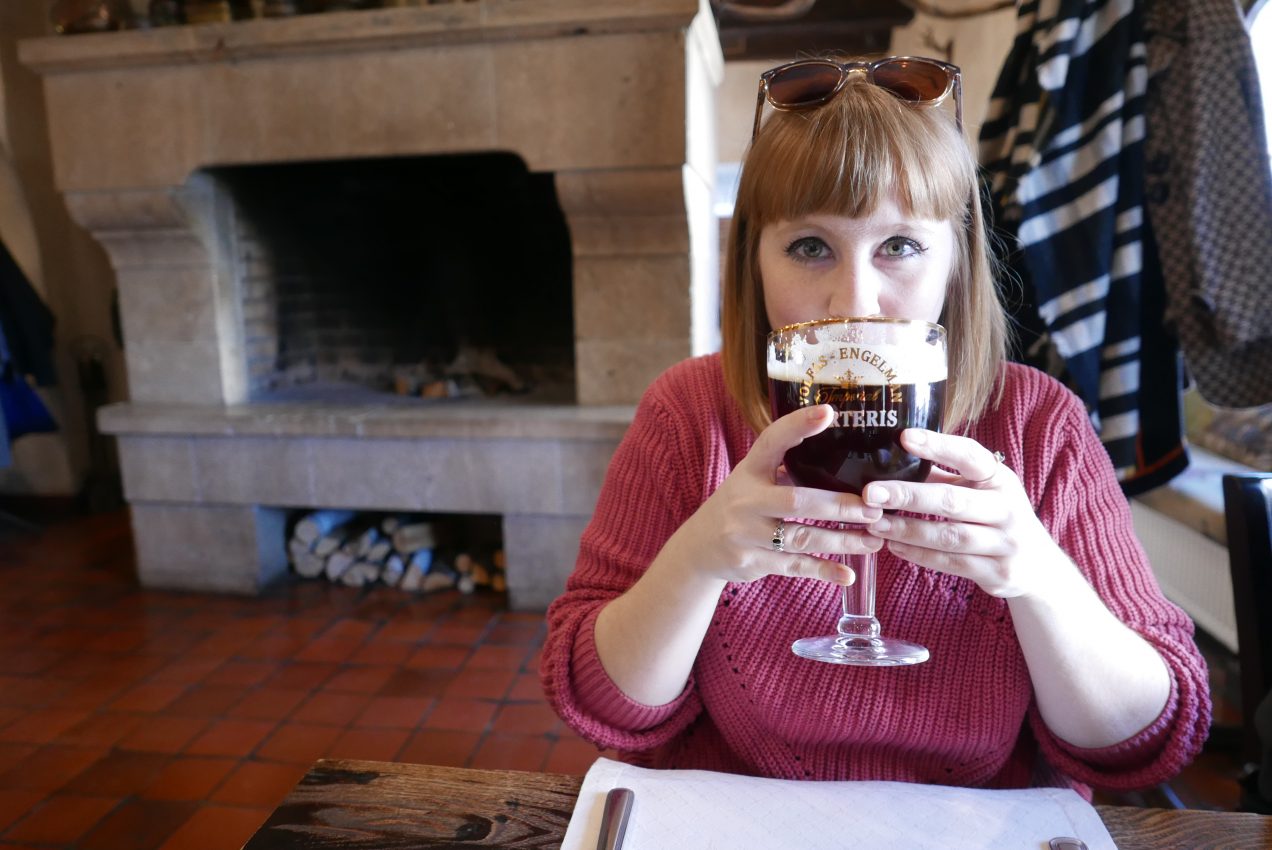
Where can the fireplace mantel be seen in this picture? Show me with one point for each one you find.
(615, 99)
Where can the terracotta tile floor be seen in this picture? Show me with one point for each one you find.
(133, 719)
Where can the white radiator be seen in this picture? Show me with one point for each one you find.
(1192, 570)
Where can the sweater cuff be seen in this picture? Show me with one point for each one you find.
(598, 694)
(1131, 752)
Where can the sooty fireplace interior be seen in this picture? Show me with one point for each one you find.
(396, 274)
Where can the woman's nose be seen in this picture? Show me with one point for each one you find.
(856, 293)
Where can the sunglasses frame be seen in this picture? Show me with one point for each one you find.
(953, 84)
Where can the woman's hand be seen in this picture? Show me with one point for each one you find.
(731, 535)
(990, 535)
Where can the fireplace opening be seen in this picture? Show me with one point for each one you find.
(423, 277)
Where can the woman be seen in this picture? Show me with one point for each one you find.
(1055, 658)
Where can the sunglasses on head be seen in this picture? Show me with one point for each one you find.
(809, 83)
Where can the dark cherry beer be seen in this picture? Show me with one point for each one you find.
(877, 391)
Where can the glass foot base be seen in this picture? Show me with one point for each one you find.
(860, 651)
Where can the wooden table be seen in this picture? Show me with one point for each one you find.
(370, 804)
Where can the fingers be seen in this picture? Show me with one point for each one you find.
(784, 433)
(976, 464)
(809, 539)
(958, 538)
(806, 566)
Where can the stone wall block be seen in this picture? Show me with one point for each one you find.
(169, 304)
(179, 372)
(158, 468)
(599, 102)
(541, 552)
(465, 476)
(618, 371)
(643, 298)
(248, 470)
(607, 236)
(231, 549)
(630, 191)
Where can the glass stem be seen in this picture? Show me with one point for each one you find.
(858, 620)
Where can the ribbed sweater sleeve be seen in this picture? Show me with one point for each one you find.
(649, 490)
(1088, 516)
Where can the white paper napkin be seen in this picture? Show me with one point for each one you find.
(701, 809)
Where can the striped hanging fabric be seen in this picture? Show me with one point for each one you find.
(1062, 148)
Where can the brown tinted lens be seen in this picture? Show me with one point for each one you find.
(803, 85)
(913, 81)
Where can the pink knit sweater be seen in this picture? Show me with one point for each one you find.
(965, 717)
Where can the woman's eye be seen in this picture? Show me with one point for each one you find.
(808, 248)
(901, 246)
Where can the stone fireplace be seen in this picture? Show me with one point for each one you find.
(156, 137)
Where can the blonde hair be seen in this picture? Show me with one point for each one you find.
(843, 158)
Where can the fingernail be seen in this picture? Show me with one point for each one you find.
(817, 413)
(872, 514)
(917, 437)
(881, 525)
(877, 495)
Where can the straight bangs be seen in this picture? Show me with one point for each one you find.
(846, 157)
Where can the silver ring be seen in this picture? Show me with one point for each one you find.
(779, 531)
(999, 456)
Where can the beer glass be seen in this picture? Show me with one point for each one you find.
(881, 376)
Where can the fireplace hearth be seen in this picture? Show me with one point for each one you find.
(159, 140)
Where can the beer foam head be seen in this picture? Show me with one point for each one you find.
(850, 363)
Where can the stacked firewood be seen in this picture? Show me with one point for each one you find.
(403, 551)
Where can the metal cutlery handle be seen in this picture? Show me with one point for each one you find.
(618, 806)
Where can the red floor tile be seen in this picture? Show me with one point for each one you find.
(394, 712)
(571, 755)
(373, 744)
(504, 751)
(206, 700)
(441, 747)
(382, 653)
(164, 734)
(120, 773)
(358, 680)
(188, 778)
(498, 658)
(42, 726)
(137, 825)
(408, 631)
(418, 683)
(439, 657)
(532, 718)
(481, 684)
(301, 676)
(526, 686)
(103, 729)
(235, 738)
(456, 634)
(150, 697)
(353, 630)
(268, 704)
(11, 754)
(241, 673)
(61, 819)
(258, 783)
(49, 768)
(15, 804)
(331, 709)
(217, 828)
(333, 650)
(466, 714)
(299, 743)
(186, 671)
